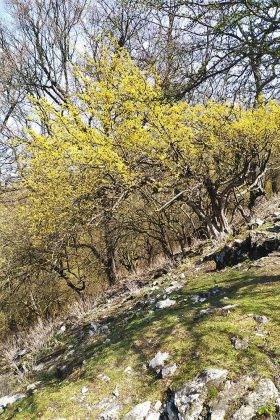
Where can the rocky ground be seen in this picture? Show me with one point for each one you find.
(195, 343)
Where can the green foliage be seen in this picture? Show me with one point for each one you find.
(213, 392)
(266, 411)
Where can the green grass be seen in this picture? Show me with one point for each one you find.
(194, 344)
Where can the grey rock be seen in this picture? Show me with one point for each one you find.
(84, 390)
(255, 223)
(197, 299)
(93, 328)
(231, 392)
(168, 371)
(157, 405)
(62, 329)
(265, 392)
(205, 312)
(110, 408)
(139, 412)
(239, 344)
(166, 303)
(159, 360)
(261, 319)
(33, 387)
(19, 354)
(154, 415)
(39, 367)
(174, 287)
(111, 413)
(103, 377)
(188, 402)
(128, 370)
(225, 310)
(10, 399)
(116, 392)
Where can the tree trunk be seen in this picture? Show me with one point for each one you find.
(110, 263)
(217, 225)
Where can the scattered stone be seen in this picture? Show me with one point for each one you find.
(265, 393)
(128, 370)
(61, 372)
(62, 329)
(110, 407)
(205, 312)
(159, 360)
(153, 416)
(225, 310)
(197, 299)
(10, 399)
(103, 377)
(188, 402)
(173, 288)
(231, 392)
(157, 405)
(255, 223)
(84, 390)
(162, 304)
(239, 344)
(33, 387)
(168, 371)
(93, 328)
(139, 412)
(262, 319)
(116, 392)
(39, 367)
(260, 334)
(19, 354)
(104, 329)
(182, 276)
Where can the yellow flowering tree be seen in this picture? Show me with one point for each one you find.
(231, 148)
(94, 151)
(116, 139)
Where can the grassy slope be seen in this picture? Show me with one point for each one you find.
(135, 337)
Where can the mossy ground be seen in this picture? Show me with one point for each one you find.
(138, 332)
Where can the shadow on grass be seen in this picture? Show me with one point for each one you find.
(145, 332)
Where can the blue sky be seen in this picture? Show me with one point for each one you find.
(3, 8)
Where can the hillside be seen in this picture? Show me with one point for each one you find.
(196, 343)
